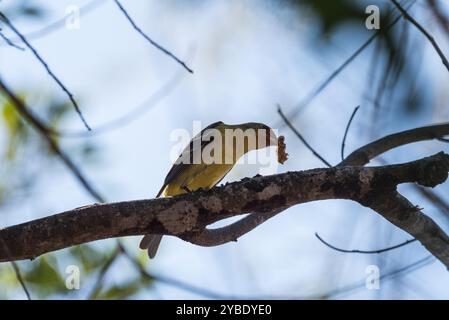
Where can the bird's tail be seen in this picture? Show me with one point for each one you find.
(151, 243)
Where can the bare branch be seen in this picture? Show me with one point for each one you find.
(443, 20)
(390, 275)
(315, 92)
(186, 215)
(412, 20)
(130, 116)
(42, 61)
(102, 272)
(42, 129)
(346, 132)
(308, 146)
(364, 154)
(399, 211)
(363, 251)
(154, 43)
(434, 198)
(176, 283)
(9, 42)
(15, 268)
(60, 23)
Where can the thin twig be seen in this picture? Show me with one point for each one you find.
(102, 273)
(363, 155)
(437, 12)
(434, 199)
(154, 43)
(390, 275)
(316, 154)
(346, 132)
(177, 283)
(16, 269)
(20, 279)
(45, 65)
(60, 23)
(43, 130)
(130, 116)
(9, 42)
(315, 92)
(363, 251)
(412, 20)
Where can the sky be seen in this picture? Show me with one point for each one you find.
(247, 58)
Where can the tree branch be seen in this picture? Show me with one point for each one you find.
(9, 42)
(47, 68)
(364, 154)
(429, 37)
(215, 237)
(45, 133)
(323, 85)
(187, 215)
(154, 43)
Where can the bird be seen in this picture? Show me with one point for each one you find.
(186, 175)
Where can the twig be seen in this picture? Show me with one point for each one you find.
(45, 65)
(155, 44)
(173, 282)
(132, 115)
(42, 129)
(16, 269)
(437, 11)
(363, 251)
(102, 273)
(434, 199)
(316, 154)
(60, 23)
(21, 281)
(315, 92)
(346, 132)
(9, 42)
(214, 237)
(363, 155)
(412, 20)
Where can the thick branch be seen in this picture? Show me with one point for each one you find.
(364, 154)
(216, 237)
(399, 211)
(186, 215)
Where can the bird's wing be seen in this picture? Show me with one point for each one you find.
(187, 154)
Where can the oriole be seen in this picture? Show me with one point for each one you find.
(186, 175)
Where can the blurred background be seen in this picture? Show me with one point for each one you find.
(247, 56)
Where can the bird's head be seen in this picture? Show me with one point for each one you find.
(262, 131)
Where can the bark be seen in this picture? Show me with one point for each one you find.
(187, 216)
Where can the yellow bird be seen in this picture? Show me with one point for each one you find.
(207, 159)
